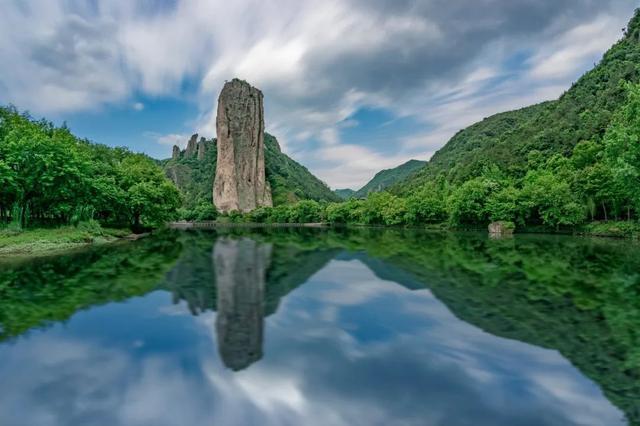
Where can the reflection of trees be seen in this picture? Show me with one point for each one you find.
(241, 271)
(576, 295)
(36, 292)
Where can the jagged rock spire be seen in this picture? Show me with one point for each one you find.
(240, 182)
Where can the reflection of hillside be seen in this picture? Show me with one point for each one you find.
(578, 296)
(40, 291)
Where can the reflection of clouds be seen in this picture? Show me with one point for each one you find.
(59, 382)
(433, 369)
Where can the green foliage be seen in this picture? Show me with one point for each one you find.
(549, 199)
(467, 203)
(386, 178)
(35, 241)
(290, 182)
(598, 113)
(50, 177)
(345, 194)
(427, 206)
(306, 211)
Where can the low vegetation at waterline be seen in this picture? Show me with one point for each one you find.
(49, 177)
(45, 240)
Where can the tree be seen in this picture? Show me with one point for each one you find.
(151, 198)
(467, 203)
(550, 200)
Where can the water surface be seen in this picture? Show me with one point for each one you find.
(324, 327)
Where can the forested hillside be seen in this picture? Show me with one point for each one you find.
(583, 113)
(386, 178)
(290, 181)
(345, 194)
(50, 177)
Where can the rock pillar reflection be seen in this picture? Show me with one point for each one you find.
(241, 269)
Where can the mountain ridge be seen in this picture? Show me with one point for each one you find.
(582, 113)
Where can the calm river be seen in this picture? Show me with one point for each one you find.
(324, 327)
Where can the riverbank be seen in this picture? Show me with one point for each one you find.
(44, 241)
(611, 229)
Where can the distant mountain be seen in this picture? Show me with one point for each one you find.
(345, 194)
(583, 113)
(386, 178)
(193, 171)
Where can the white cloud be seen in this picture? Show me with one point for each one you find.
(170, 139)
(316, 62)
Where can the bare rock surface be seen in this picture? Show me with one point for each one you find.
(202, 148)
(191, 146)
(240, 183)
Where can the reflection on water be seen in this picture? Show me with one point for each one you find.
(298, 326)
(241, 269)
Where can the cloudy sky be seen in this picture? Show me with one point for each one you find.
(351, 86)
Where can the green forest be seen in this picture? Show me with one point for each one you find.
(49, 177)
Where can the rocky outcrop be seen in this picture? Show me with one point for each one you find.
(501, 228)
(176, 152)
(202, 148)
(191, 146)
(241, 272)
(240, 182)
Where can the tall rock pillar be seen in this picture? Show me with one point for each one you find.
(191, 146)
(240, 182)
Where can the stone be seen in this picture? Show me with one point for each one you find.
(176, 152)
(191, 146)
(241, 273)
(501, 228)
(202, 148)
(240, 183)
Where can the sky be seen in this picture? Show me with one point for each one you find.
(351, 87)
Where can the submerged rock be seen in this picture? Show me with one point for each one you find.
(240, 183)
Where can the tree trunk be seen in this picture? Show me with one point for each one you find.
(604, 208)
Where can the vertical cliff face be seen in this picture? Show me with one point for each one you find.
(241, 272)
(176, 152)
(191, 146)
(240, 182)
(202, 148)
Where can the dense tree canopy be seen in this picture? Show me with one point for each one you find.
(49, 176)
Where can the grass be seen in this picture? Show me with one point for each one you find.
(619, 229)
(46, 240)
